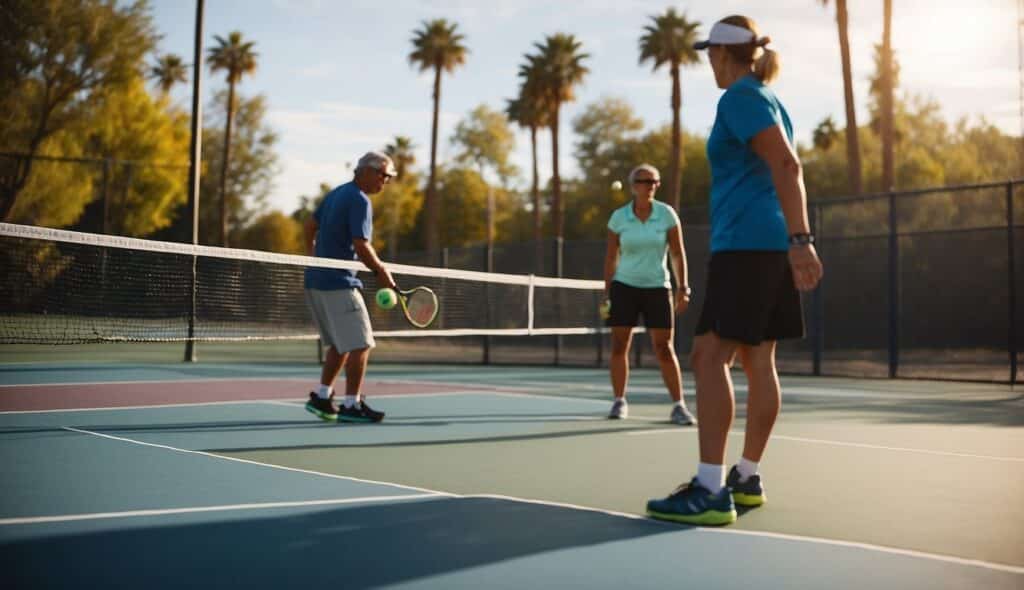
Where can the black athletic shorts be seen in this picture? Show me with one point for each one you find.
(751, 298)
(629, 303)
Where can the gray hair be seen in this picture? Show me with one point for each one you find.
(641, 168)
(378, 161)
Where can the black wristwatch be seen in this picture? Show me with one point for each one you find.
(801, 239)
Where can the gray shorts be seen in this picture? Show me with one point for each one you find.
(341, 318)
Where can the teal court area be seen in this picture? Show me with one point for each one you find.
(157, 474)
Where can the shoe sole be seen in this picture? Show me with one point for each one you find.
(706, 518)
(683, 423)
(749, 500)
(321, 414)
(358, 420)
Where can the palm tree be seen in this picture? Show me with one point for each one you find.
(528, 112)
(237, 58)
(669, 40)
(886, 102)
(402, 152)
(439, 47)
(556, 69)
(168, 71)
(853, 165)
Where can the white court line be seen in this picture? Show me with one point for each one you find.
(816, 540)
(836, 443)
(222, 508)
(257, 463)
(287, 401)
(156, 381)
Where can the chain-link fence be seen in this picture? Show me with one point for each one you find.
(917, 284)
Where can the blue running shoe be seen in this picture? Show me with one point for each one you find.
(692, 503)
(745, 493)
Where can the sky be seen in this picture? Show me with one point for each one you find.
(338, 82)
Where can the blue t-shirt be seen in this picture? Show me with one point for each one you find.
(745, 209)
(643, 245)
(344, 214)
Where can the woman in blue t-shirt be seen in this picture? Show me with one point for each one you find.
(636, 282)
(762, 255)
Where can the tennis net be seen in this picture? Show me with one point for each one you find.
(65, 287)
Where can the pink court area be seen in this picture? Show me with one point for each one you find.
(26, 398)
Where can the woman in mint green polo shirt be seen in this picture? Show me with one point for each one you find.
(640, 233)
(762, 255)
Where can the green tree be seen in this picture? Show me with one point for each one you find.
(438, 47)
(57, 59)
(557, 68)
(853, 157)
(403, 154)
(669, 40)
(248, 177)
(272, 232)
(825, 134)
(484, 139)
(400, 203)
(236, 58)
(168, 71)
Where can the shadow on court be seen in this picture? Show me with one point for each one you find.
(353, 547)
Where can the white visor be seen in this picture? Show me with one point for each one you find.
(726, 34)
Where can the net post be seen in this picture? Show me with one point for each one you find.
(529, 307)
(1012, 286)
(193, 172)
(559, 270)
(894, 289)
(489, 263)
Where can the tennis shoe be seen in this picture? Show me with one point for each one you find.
(322, 408)
(692, 503)
(745, 493)
(620, 409)
(681, 415)
(360, 412)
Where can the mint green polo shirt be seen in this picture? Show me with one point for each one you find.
(643, 245)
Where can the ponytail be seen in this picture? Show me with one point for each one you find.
(767, 66)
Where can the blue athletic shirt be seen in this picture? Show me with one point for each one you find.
(643, 245)
(745, 209)
(344, 214)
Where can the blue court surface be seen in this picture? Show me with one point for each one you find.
(485, 477)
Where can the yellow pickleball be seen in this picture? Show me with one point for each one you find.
(386, 298)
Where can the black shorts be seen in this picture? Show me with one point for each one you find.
(629, 303)
(751, 298)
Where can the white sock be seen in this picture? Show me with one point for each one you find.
(324, 392)
(681, 403)
(711, 476)
(351, 401)
(746, 467)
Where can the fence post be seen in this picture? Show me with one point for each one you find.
(1010, 263)
(894, 289)
(817, 301)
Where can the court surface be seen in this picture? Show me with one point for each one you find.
(159, 475)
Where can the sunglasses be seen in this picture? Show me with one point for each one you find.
(385, 175)
(647, 181)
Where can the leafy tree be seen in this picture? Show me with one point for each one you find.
(484, 139)
(57, 58)
(556, 69)
(272, 232)
(825, 134)
(852, 136)
(669, 40)
(236, 58)
(168, 71)
(436, 46)
(402, 152)
(249, 175)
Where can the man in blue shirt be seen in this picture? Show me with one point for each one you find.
(341, 227)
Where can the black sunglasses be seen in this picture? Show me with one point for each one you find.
(648, 181)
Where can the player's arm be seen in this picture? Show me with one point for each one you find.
(771, 146)
(611, 261)
(309, 229)
(368, 256)
(678, 255)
